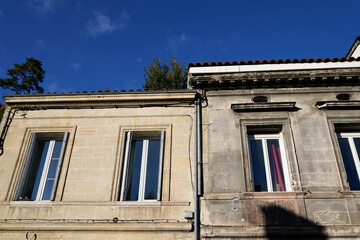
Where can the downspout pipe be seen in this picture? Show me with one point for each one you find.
(5, 129)
(200, 147)
(196, 180)
(203, 99)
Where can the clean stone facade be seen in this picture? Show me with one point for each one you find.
(304, 102)
(86, 199)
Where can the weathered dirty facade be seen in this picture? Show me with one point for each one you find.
(306, 104)
(87, 202)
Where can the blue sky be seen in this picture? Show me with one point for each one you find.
(88, 45)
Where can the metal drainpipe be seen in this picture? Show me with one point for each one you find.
(200, 147)
(196, 190)
(6, 126)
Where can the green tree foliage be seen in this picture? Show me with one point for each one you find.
(25, 77)
(162, 76)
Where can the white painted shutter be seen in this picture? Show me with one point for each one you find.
(124, 187)
(27, 163)
(161, 161)
(58, 170)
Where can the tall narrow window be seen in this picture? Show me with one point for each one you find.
(350, 148)
(143, 160)
(268, 162)
(41, 168)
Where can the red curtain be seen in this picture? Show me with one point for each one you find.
(276, 168)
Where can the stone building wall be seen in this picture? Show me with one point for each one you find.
(308, 115)
(87, 195)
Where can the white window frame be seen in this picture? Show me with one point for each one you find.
(144, 158)
(27, 167)
(350, 136)
(263, 138)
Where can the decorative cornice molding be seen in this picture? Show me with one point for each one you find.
(304, 78)
(100, 101)
(104, 104)
(338, 105)
(264, 107)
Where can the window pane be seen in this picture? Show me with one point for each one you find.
(258, 165)
(134, 167)
(152, 170)
(349, 164)
(53, 168)
(357, 144)
(57, 149)
(48, 189)
(276, 167)
(35, 170)
(50, 179)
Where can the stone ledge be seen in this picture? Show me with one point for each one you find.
(90, 226)
(281, 195)
(92, 204)
(288, 232)
(253, 195)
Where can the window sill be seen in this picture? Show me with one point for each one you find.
(272, 195)
(254, 195)
(149, 204)
(352, 193)
(282, 195)
(137, 204)
(31, 203)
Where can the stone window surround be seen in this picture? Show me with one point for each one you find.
(349, 136)
(347, 122)
(282, 120)
(263, 137)
(165, 186)
(145, 138)
(41, 187)
(22, 157)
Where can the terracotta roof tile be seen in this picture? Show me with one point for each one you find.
(273, 61)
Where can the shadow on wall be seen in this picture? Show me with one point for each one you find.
(283, 224)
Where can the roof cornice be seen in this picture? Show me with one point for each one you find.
(280, 78)
(99, 100)
(273, 67)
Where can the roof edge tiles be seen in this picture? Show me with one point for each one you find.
(274, 67)
(273, 61)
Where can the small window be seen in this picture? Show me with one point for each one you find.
(343, 97)
(260, 99)
(268, 162)
(142, 172)
(350, 148)
(41, 169)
